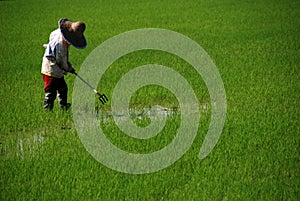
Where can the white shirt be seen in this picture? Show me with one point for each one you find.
(55, 60)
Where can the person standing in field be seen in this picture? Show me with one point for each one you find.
(56, 63)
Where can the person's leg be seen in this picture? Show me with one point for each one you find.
(50, 92)
(62, 93)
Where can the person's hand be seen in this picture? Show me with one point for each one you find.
(72, 70)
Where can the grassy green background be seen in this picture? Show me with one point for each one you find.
(256, 47)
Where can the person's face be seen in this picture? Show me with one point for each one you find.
(66, 43)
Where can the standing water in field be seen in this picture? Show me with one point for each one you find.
(22, 146)
(137, 114)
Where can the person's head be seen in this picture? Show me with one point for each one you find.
(73, 32)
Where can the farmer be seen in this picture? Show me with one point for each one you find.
(56, 61)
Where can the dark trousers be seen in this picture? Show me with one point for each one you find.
(55, 87)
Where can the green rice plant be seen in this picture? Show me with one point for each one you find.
(254, 44)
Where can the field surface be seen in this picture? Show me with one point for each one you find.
(256, 48)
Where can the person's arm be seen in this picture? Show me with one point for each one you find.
(62, 59)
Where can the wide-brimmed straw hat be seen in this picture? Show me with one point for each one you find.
(73, 32)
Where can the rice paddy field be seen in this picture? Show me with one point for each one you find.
(256, 48)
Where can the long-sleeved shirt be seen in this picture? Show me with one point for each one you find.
(55, 60)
